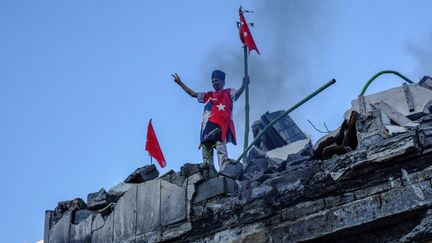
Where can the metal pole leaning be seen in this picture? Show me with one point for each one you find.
(301, 102)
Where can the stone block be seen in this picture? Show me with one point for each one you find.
(263, 191)
(190, 192)
(208, 171)
(195, 178)
(302, 209)
(67, 206)
(172, 232)
(425, 137)
(148, 237)
(334, 201)
(146, 173)
(125, 216)
(148, 206)
(98, 200)
(289, 182)
(188, 169)
(59, 232)
(215, 187)
(173, 177)
(81, 215)
(372, 190)
(173, 203)
(106, 232)
(257, 233)
(81, 233)
(393, 147)
(120, 189)
(232, 169)
(189, 184)
(370, 129)
(47, 224)
(254, 167)
(98, 222)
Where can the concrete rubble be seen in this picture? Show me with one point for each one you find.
(368, 181)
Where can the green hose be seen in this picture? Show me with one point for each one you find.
(381, 73)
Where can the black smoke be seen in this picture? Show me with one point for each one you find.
(289, 34)
(422, 54)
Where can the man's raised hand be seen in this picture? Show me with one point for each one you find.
(176, 78)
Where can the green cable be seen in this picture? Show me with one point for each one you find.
(381, 73)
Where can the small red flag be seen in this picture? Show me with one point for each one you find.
(245, 34)
(152, 146)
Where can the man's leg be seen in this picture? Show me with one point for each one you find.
(222, 154)
(207, 154)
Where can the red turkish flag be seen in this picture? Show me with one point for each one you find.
(245, 34)
(152, 146)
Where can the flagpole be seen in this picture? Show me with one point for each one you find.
(246, 135)
(151, 158)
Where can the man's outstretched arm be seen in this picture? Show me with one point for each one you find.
(183, 86)
(240, 91)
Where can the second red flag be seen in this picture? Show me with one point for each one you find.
(152, 146)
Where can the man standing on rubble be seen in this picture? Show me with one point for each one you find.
(217, 126)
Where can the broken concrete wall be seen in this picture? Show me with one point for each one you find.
(361, 183)
(398, 98)
(356, 195)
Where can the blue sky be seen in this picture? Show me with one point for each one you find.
(79, 81)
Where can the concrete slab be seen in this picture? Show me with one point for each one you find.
(81, 233)
(148, 206)
(146, 173)
(104, 234)
(393, 114)
(392, 129)
(98, 222)
(395, 97)
(125, 216)
(47, 225)
(292, 148)
(175, 231)
(59, 232)
(215, 187)
(173, 203)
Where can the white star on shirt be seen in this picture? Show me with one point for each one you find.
(221, 107)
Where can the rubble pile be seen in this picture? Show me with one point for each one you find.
(368, 181)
